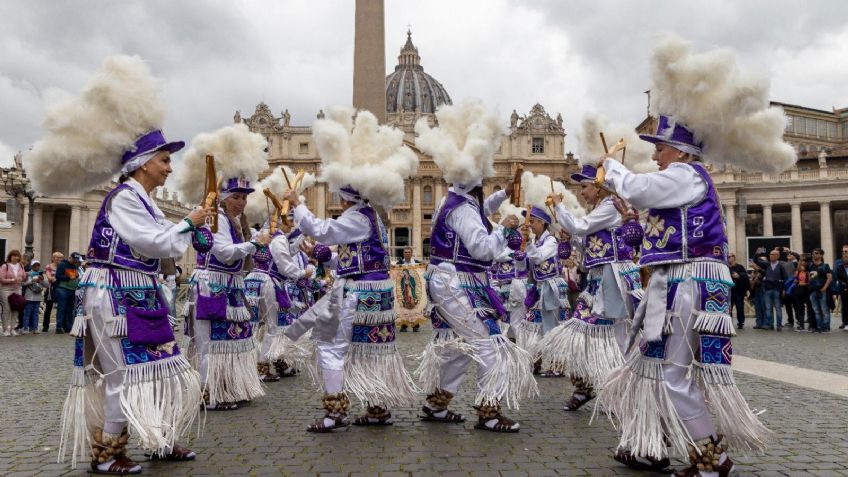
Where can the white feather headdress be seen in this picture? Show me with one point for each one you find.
(727, 109)
(638, 154)
(238, 153)
(87, 135)
(464, 143)
(507, 208)
(356, 151)
(535, 188)
(256, 208)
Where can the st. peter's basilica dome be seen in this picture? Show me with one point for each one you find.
(409, 88)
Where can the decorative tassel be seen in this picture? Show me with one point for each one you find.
(161, 400)
(375, 374)
(579, 348)
(297, 354)
(430, 361)
(735, 420)
(82, 410)
(714, 323)
(231, 372)
(509, 379)
(636, 401)
(527, 335)
(80, 327)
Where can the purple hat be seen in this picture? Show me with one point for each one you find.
(151, 142)
(237, 184)
(675, 135)
(587, 174)
(539, 214)
(350, 194)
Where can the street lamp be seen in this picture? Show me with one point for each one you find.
(16, 183)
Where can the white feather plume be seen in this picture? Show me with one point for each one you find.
(238, 153)
(638, 155)
(507, 208)
(87, 135)
(465, 141)
(356, 151)
(727, 109)
(256, 209)
(535, 188)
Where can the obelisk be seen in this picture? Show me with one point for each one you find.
(369, 58)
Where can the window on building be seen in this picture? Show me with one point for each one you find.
(789, 123)
(845, 130)
(304, 148)
(425, 246)
(428, 216)
(799, 125)
(401, 241)
(831, 130)
(427, 195)
(538, 145)
(811, 127)
(821, 128)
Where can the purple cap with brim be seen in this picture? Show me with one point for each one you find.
(151, 142)
(350, 194)
(587, 174)
(675, 135)
(539, 214)
(237, 184)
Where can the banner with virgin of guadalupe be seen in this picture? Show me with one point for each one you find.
(410, 297)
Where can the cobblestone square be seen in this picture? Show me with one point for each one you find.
(268, 437)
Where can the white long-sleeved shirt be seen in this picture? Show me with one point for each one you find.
(223, 247)
(603, 216)
(352, 226)
(286, 263)
(152, 237)
(542, 249)
(677, 186)
(465, 221)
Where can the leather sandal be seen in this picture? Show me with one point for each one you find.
(121, 465)
(367, 420)
(177, 454)
(318, 426)
(577, 401)
(222, 406)
(449, 417)
(504, 424)
(644, 463)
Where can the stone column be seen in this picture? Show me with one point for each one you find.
(768, 227)
(369, 58)
(416, 218)
(730, 218)
(797, 231)
(37, 232)
(320, 201)
(75, 232)
(826, 232)
(438, 191)
(43, 239)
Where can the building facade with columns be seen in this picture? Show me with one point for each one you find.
(808, 202)
(64, 223)
(534, 141)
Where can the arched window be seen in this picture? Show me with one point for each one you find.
(427, 195)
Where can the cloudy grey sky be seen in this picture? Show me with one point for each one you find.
(573, 57)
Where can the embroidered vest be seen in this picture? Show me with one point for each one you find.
(503, 270)
(605, 246)
(548, 268)
(445, 244)
(368, 256)
(688, 233)
(211, 262)
(107, 248)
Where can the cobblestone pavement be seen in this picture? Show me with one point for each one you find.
(269, 438)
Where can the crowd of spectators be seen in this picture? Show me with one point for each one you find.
(803, 286)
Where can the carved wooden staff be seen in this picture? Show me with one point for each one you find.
(212, 193)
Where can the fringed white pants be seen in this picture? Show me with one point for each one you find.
(331, 354)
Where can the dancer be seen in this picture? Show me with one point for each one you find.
(218, 319)
(591, 345)
(463, 245)
(354, 323)
(125, 352)
(509, 271)
(665, 392)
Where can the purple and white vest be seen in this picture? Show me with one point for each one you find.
(605, 246)
(503, 270)
(368, 256)
(107, 248)
(210, 262)
(445, 243)
(548, 268)
(688, 233)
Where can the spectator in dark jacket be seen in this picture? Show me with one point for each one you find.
(741, 285)
(67, 281)
(774, 276)
(820, 278)
(801, 295)
(840, 269)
